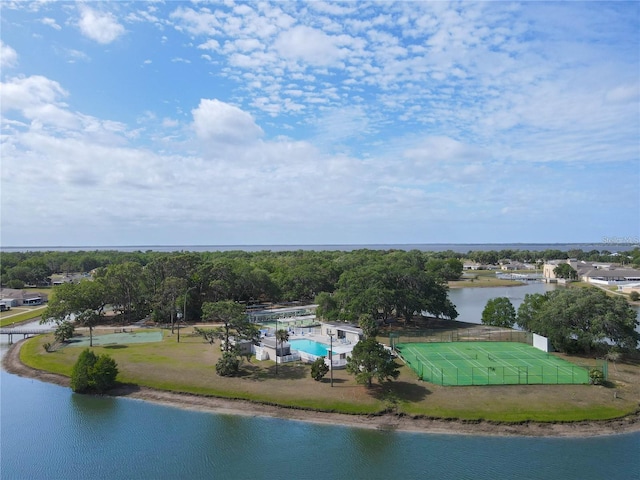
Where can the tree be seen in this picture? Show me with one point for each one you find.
(104, 373)
(564, 270)
(228, 364)
(369, 360)
(124, 282)
(499, 312)
(64, 331)
(319, 369)
(89, 318)
(368, 325)
(234, 322)
(449, 269)
(81, 373)
(83, 302)
(582, 319)
(235, 325)
(93, 372)
(170, 289)
(281, 336)
(327, 306)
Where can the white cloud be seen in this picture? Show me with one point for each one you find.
(8, 56)
(50, 22)
(27, 93)
(311, 45)
(221, 122)
(210, 44)
(103, 27)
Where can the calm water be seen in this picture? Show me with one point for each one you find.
(47, 432)
(50, 433)
(309, 346)
(425, 247)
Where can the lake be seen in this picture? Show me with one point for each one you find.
(48, 432)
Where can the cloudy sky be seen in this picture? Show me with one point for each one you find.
(230, 123)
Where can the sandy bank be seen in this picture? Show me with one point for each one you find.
(11, 363)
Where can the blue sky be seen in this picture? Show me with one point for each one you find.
(197, 123)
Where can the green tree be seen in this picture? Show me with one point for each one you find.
(104, 373)
(228, 365)
(91, 372)
(83, 302)
(235, 326)
(281, 336)
(81, 373)
(447, 269)
(64, 331)
(369, 360)
(234, 322)
(319, 369)
(499, 312)
(126, 289)
(89, 318)
(327, 307)
(582, 319)
(368, 325)
(564, 270)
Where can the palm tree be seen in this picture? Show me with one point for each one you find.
(282, 336)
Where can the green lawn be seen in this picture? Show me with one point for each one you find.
(189, 366)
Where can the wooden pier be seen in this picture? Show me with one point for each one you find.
(25, 332)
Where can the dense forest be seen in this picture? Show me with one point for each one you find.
(381, 283)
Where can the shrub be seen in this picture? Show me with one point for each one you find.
(64, 331)
(634, 296)
(596, 377)
(81, 373)
(93, 373)
(228, 365)
(104, 373)
(319, 369)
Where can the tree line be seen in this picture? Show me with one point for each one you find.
(18, 269)
(167, 286)
(575, 320)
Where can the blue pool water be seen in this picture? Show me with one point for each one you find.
(309, 346)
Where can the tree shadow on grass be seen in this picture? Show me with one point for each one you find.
(115, 346)
(402, 391)
(285, 372)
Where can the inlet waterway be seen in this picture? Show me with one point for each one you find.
(48, 432)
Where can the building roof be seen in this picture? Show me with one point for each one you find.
(21, 294)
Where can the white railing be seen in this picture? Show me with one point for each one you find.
(294, 357)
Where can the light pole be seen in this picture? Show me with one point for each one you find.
(276, 345)
(331, 355)
(184, 310)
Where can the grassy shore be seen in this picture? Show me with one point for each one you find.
(188, 367)
(482, 278)
(19, 315)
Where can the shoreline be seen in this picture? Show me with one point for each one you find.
(388, 421)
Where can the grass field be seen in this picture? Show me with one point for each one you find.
(20, 314)
(189, 366)
(488, 363)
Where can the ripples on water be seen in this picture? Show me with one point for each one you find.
(49, 433)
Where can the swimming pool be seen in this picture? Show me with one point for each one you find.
(311, 347)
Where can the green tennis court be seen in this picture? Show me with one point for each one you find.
(488, 363)
(134, 336)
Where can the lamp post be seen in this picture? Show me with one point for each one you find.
(184, 310)
(276, 336)
(331, 355)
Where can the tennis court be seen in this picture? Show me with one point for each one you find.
(488, 363)
(99, 340)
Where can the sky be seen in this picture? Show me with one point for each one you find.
(308, 123)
